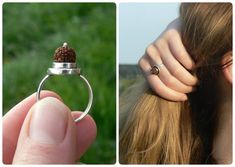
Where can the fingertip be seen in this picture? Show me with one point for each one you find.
(86, 131)
(195, 82)
(190, 66)
(89, 123)
(87, 119)
(184, 98)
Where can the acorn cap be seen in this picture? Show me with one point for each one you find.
(64, 54)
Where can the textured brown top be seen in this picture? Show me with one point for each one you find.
(64, 54)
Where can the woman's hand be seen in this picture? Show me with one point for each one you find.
(169, 54)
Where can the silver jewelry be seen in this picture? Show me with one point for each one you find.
(65, 64)
(156, 69)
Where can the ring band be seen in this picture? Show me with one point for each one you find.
(156, 69)
(67, 68)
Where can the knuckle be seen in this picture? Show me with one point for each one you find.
(151, 52)
(160, 43)
(161, 46)
(149, 49)
(171, 32)
(141, 63)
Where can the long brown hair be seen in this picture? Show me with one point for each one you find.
(154, 130)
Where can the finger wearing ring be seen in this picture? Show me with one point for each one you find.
(65, 64)
(156, 69)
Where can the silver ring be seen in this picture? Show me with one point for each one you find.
(156, 69)
(67, 68)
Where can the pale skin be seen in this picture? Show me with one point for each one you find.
(45, 132)
(174, 82)
(174, 79)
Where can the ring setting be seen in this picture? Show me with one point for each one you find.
(65, 64)
(156, 69)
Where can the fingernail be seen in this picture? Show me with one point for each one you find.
(49, 119)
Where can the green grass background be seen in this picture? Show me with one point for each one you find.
(31, 33)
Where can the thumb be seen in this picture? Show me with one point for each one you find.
(48, 135)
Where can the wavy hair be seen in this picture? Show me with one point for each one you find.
(154, 130)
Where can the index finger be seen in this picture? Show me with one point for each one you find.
(87, 129)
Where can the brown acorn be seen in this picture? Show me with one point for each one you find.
(64, 54)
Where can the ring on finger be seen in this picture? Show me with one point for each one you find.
(156, 69)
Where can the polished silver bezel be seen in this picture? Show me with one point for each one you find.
(63, 69)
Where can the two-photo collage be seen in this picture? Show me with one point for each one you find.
(117, 83)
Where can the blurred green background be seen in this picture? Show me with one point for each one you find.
(32, 32)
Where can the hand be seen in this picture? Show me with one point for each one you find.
(45, 132)
(173, 80)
